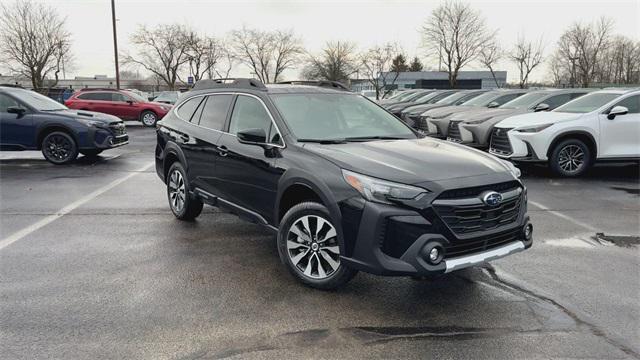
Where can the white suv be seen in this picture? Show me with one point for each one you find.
(600, 126)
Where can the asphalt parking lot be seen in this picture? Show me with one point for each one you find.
(94, 265)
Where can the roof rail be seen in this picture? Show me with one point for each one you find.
(320, 83)
(253, 84)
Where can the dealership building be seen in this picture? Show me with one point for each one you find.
(437, 80)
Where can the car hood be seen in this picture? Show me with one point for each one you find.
(538, 118)
(446, 111)
(484, 113)
(410, 161)
(419, 109)
(88, 115)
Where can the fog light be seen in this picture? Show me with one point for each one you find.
(528, 231)
(434, 254)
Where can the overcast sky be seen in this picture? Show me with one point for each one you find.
(316, 22)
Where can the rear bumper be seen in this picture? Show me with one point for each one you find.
(388, 240)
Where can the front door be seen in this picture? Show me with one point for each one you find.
(16, 131)
(620, 137)
(246, 174)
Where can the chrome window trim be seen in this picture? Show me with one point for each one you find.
(175, 112)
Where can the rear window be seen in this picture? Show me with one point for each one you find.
(186, 110)
(214, 112)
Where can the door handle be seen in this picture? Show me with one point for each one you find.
(223, 151)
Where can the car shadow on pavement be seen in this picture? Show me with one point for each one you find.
(608, 172)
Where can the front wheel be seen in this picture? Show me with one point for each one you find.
(183, 206)
(148, 118)
(59, 148)
(570, 158)
(308, 246)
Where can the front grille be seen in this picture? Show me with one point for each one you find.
(453, 132)
(477, 190)
(464, 215)
(500, 143)
(480, 244)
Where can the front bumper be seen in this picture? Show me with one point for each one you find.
(389, 240)
(106, 137)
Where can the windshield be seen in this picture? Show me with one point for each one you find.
(524, 101)
(167, 96)
(40, 102)
(135, 96)
(338, 116)
(482, 100)
(466, 97)
(587, 103)
(425, 97)
(449, 98)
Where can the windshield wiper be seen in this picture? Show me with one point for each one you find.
(323, 141)
(376, 137)
(54, 109)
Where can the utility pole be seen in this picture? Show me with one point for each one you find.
(115, 42)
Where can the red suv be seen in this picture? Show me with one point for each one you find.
(123, 104)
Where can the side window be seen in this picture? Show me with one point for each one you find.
(186, 110)
(101, 96)
(249, 113)
(214, 111)
(632, 103)
(506, 98)
(555, 101)
(118, 97)
(6, 102)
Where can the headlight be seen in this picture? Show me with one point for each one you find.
(534, 129)
(512, 168)
(381, 191)
(476, 122)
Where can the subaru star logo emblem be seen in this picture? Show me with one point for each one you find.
(492, 198)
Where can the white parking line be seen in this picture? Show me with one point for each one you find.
(69, 208)
(564, 216)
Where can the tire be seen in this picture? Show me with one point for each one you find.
(570, 158)
(313, 260)
(59, 148)
(148, 118)
(183, 206)
(91, 153)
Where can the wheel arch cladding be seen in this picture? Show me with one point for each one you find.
(583, 136)
(173, 153)
(46, 130)
(295, 194)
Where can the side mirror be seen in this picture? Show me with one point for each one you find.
(252, 136)
(541, 107)
(16, 110)
(130, 102)
(617, 110)
(493, 104)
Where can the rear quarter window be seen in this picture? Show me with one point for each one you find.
(186, 109)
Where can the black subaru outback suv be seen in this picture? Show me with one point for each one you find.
(345, 185)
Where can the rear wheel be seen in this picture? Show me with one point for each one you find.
(148, 118)
(570, 157)
(183, 206)
(59, 148)
(308, 246)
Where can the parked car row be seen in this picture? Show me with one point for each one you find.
(570, 129)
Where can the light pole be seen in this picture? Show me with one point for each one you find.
(115, 42)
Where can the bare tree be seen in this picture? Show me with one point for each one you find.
(222, 68)
(34, 41)
(377, 64)
(620, 63)
(268, 54)
(527, 55)
(337, 62)
(582, 46)
(457, 33)
(204, 53)
(490, 55)
(162, 50)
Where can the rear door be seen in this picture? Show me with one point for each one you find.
(121, 108)
(203, 150)
(620, 137)
(16, 131)
(246, 175)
